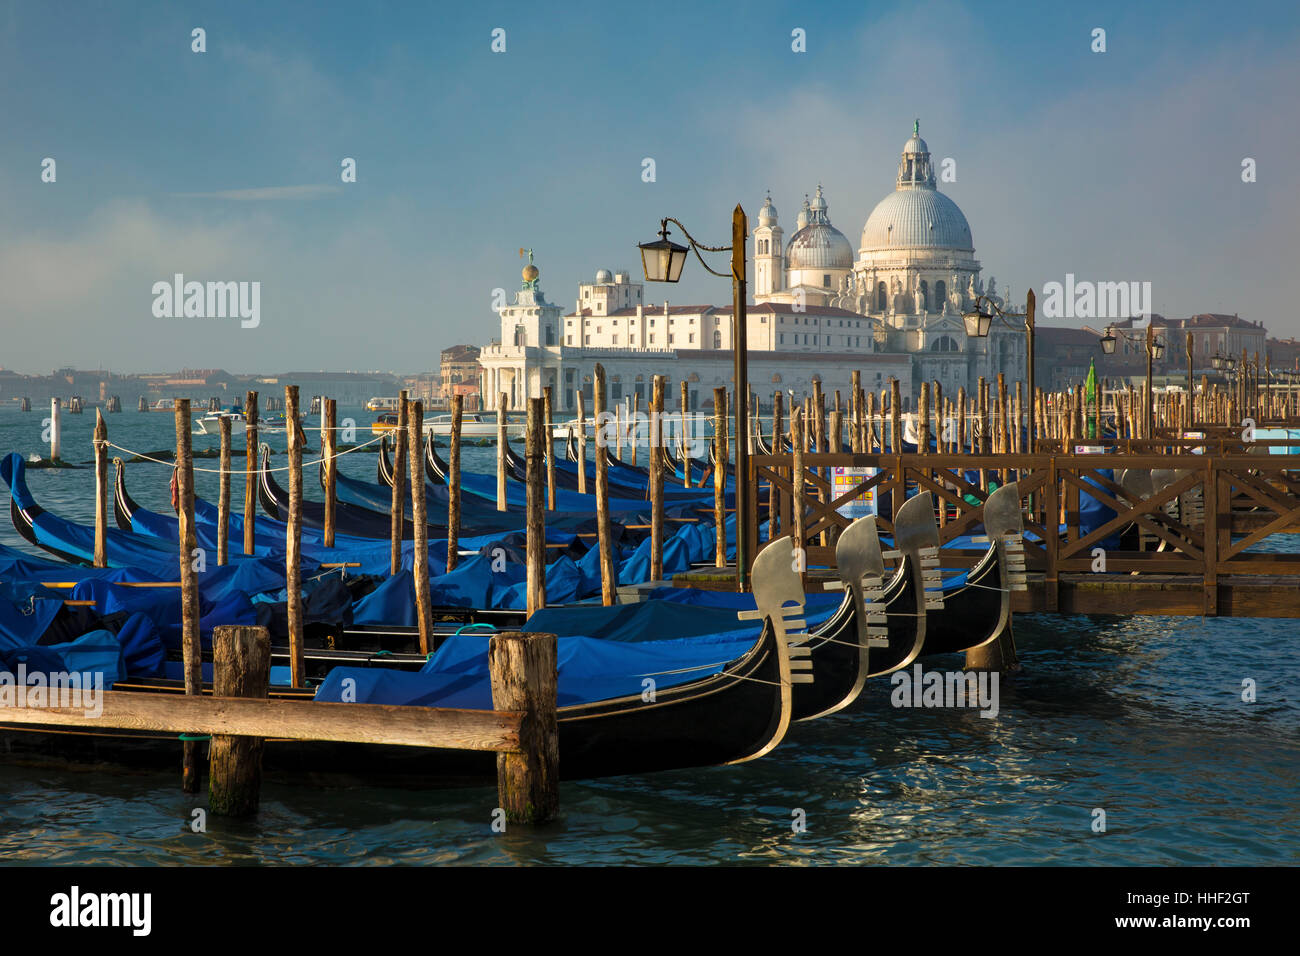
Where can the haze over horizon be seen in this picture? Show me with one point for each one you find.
(225, 165)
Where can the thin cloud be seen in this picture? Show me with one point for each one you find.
(267, 193)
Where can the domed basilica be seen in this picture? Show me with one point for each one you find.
(914, 275)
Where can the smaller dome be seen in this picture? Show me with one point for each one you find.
(767, 215)
(603, 277)
(915, 145)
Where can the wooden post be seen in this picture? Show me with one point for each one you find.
(961, 420)
(855, 408)
(190, 650)
(241, 668)
(604, 533)
(721, 455)
(420, 525)
(684, 444)
(56, 430)
(250, 476)
(453, 484)
(657, 480)
(101, 491)
(618, 430)
(773, 517)
(223, 493)
(549, 445)
(293, 536)
(633, 426)
(797, 483)
(582, 446)
(397, 511)
(869, 439)
(923, 420)
(523, 669)
(895, 418)
(536, 516)
(330, 446)
(501, 449)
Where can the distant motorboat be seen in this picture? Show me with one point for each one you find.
(473, 425)
(210, 424)
(383, 404)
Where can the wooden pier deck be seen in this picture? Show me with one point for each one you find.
(1187, 534)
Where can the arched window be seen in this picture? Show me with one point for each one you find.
(925, 296)
(944, 343)
(717, 339)
(881, 295)
(940, 295)
(550, 335)
(519, 335)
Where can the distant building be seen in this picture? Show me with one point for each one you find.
(1062, 355)
(459, 373)
(893, 311)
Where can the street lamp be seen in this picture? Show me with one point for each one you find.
(980, 321)
(663, 260)
(1154, 349)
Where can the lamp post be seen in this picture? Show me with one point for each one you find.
(663, 260)
(980, 321)
(1154, 349)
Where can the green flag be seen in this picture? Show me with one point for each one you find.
(1090, 397)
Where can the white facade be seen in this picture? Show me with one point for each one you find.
(893, 310)
(914, 275)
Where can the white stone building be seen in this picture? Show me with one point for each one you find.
(893, 311)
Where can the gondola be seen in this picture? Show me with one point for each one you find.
(734, 715)
(978, 609)
(349, 519)
(850, 647)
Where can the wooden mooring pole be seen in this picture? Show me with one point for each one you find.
(523, 670)
(330, 450)
(656, 480)
(397, 511)
(293, 538)
(250, 473)
(720, 454)
(604, 532)
(549, 446)
(501, 451)
(536, 517)
(241, 668)
(582, 445)
(190, 649)
(453, 484)
(101, 491)
(223, 493)
(420, 524)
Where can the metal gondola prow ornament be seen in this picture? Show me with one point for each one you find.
(1005, 523)
(916, 537)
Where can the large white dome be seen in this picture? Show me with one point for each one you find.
(916, 216)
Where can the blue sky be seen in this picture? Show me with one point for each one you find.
(1123, 165)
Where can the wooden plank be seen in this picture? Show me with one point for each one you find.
(443, 728)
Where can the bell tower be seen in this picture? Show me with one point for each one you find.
(769, 264)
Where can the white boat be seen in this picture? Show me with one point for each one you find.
(383, 404)
(474, 425)
(210, 424)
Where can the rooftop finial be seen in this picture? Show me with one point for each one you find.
(916, 126)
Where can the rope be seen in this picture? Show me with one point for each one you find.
(193, 737)
(244, 471)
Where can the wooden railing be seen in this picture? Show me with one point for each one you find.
(1204, 518)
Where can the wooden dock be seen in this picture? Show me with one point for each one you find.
(1188, 535)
